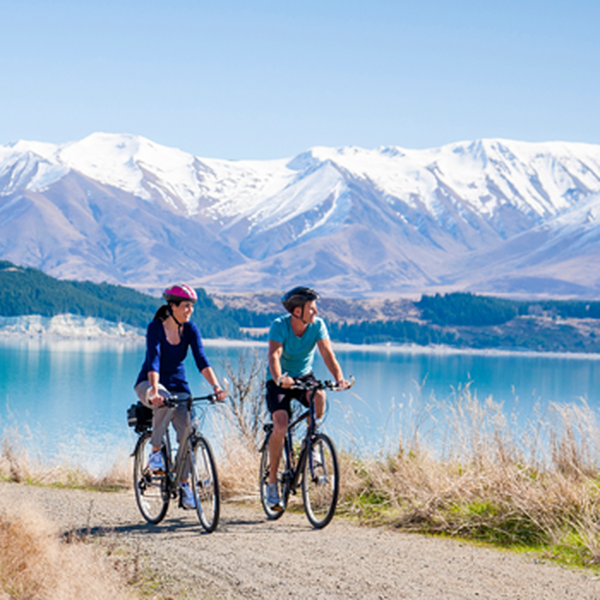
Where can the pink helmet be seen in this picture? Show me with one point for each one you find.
(180, 292)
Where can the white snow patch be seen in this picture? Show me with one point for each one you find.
(67, 326)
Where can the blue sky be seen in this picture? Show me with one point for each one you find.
(269, 79)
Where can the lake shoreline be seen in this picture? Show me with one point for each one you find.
(134, 337)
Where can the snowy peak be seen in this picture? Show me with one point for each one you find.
(130, 163)
(138, 166)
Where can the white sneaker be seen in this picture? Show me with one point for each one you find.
(156, 463)
(187, 497)
(317, 461)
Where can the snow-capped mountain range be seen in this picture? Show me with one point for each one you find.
(493, 216)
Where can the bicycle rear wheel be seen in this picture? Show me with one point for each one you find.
(320, 481)
(151, 491)
(263, 480)
(205, 484)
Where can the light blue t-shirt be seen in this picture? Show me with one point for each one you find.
(298, 352)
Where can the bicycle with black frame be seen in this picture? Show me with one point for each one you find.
(155, 489)
(314, 466)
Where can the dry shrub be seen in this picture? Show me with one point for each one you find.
(237, 464)
(240, 427)
(247, 409)
(34, 563)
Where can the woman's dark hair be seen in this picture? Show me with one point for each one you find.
(164, 311)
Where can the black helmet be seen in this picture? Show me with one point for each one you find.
(298, 296)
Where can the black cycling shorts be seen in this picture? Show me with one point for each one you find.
(279, 398)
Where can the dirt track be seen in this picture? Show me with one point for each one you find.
(250, 557)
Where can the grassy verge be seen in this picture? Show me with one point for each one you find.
(533, 488)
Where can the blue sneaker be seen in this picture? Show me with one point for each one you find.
(187, 497)
(273, 497)
(156, 463)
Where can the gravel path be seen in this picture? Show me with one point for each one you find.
(250, 557)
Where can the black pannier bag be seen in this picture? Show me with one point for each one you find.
(139, 417)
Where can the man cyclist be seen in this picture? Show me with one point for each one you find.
(292, 342)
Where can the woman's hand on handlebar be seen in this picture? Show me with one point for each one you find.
(154, 397)
(220, 394)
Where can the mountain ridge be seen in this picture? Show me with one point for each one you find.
(493, 216)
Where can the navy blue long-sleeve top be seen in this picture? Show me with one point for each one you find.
(167, 359)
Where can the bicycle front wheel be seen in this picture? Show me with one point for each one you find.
(151, 490)
(205, 484)
(320, 481)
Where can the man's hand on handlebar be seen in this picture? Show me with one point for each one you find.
(285, 381)
(343, 384)
(340, 385)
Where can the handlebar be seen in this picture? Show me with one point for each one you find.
(183, 398)
(178, 399)
(321, 385)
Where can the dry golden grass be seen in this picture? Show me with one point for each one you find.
(238, 462)
(540, 490)
(35, 563)
(16, 464)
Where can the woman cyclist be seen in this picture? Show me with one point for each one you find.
(168, 338)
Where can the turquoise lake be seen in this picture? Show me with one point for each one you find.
(69, 397)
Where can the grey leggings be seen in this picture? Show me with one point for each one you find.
(162, 416)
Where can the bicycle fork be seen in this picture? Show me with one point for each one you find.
(296, 471)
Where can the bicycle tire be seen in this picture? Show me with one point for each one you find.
(263, 480)
(151, 489)
(320, 481)
(205, 484)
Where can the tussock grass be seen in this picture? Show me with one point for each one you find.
(17, 464)
(34, 563)
(531, 486)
